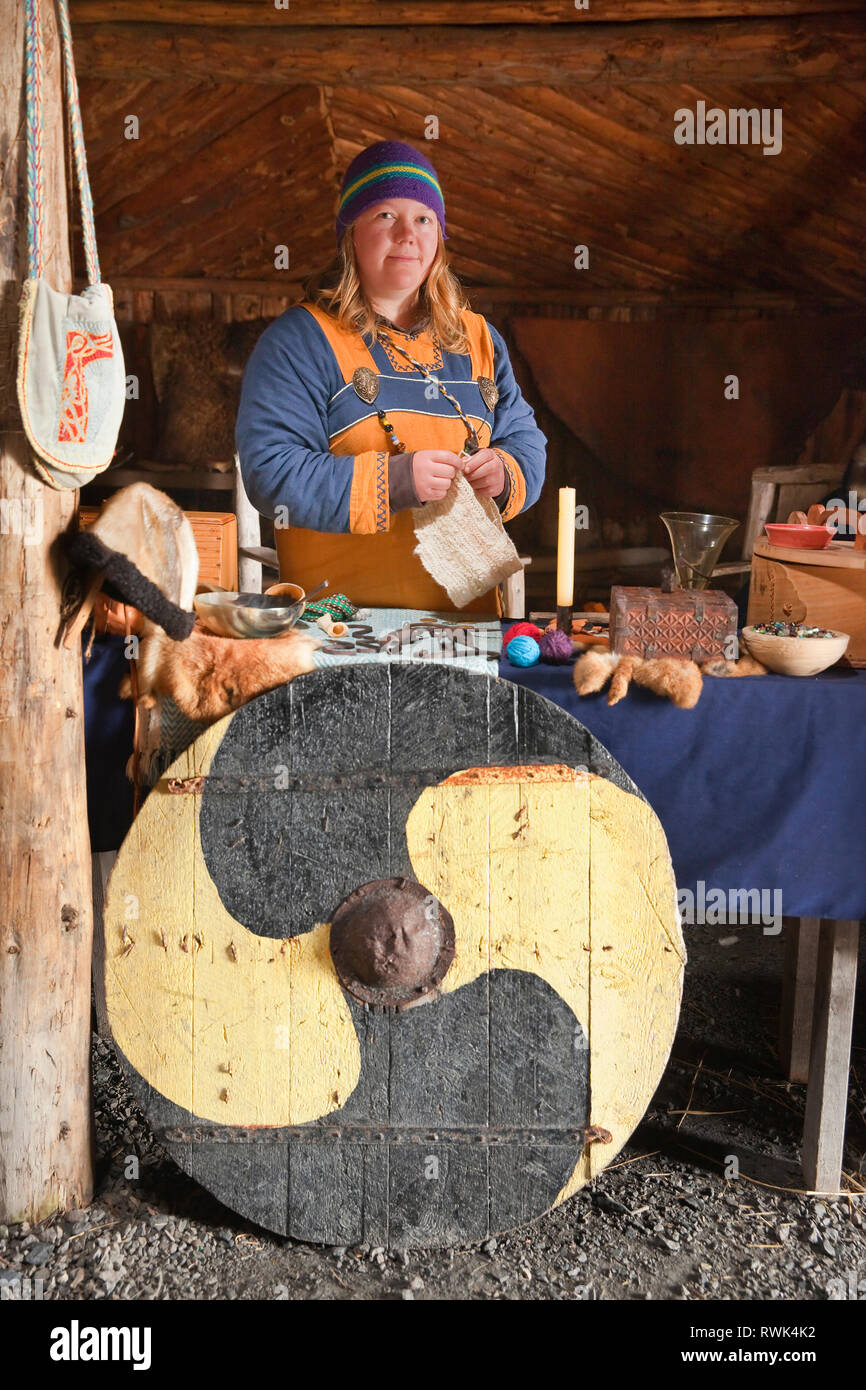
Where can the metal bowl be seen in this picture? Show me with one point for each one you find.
(251, 615)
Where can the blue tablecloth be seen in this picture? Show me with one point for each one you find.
(108, 731)
(760, 786)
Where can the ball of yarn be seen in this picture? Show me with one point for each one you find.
(523, 651)
(522, 630)
(556, 645)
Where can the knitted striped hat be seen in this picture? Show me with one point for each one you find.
(388, 169)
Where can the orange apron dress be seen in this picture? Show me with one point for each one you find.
(374, 564)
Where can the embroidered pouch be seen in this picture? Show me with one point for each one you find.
(71, 381)
(71, 376)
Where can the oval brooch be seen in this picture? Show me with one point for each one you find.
(489, 391)
(366, 384)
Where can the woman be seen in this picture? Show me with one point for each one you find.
(357, 403)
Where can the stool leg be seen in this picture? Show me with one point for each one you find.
(798, 996)
(827, 1096)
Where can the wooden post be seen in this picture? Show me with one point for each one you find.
(45, 895)
(250, 579)
(829, 1065)
(798, 996)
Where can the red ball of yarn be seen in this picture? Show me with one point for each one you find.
(522, 630)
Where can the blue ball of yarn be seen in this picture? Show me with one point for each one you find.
(523, 651)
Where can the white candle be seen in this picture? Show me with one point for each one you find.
(565, 549)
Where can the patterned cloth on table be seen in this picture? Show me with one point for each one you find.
(337, 606)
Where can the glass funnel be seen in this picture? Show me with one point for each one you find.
(696, 540)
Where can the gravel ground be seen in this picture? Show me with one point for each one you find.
(663, 1222)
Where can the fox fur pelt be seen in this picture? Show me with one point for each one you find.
(208, 677)
(680, 680)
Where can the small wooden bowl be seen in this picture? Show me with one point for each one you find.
(796, 656)
(801, 537)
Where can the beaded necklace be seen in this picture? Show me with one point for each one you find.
(472, 445)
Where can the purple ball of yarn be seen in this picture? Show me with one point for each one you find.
(523, 651)
(556, 645)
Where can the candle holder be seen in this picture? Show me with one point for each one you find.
(563, 617)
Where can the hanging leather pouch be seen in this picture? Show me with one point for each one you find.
(71, 376)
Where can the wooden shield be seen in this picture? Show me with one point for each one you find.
(329, 1120)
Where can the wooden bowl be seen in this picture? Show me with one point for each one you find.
(795, 656)
(801, 537)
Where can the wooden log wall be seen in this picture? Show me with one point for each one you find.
(143, 300)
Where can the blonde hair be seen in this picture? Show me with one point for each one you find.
(338, 290)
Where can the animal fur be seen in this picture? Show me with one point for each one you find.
(678, 679)
(746, 666)
(123, 581)
(593, 670)
(155, 536)
(141, 551)
(209, 677)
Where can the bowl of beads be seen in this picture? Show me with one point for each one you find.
(795, 649)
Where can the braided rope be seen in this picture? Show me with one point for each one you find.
(33, 84)
(35, 96)
(88, 229)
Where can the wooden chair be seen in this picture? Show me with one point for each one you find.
(254, 558)
(776, 492)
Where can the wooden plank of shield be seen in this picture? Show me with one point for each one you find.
(337, 1121)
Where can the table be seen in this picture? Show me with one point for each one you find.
(758, 793)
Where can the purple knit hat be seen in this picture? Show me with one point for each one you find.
(388, 169)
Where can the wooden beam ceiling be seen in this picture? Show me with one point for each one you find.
(223, 174)
(775, 50)
(567, 137)
(248, 13)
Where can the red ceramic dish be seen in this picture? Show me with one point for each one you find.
(801, 537)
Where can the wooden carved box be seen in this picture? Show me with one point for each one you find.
(824, 587)
(698, 624)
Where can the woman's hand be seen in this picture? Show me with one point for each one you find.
(433, 471)
(486, 472)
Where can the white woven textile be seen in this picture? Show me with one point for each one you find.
(462, 543)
